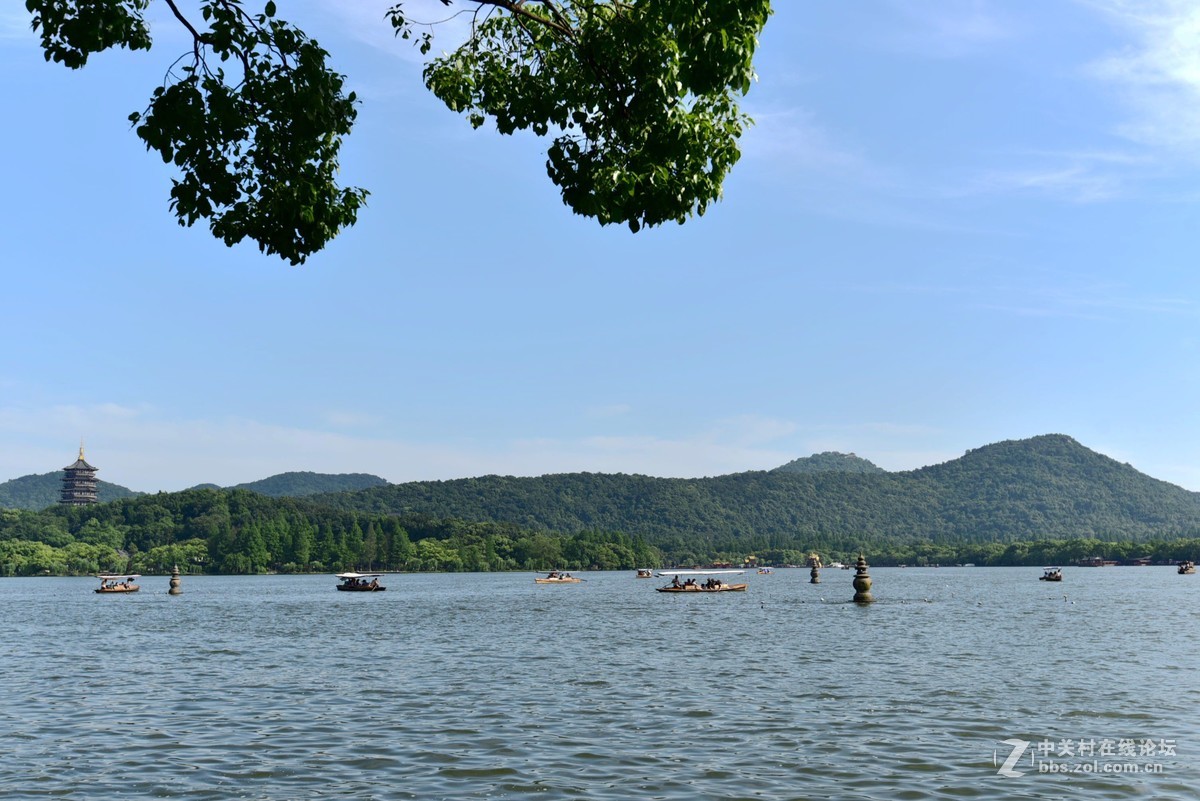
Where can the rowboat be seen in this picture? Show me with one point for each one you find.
(1187, 567)
(357, 582)
(117, 582)
(555, 577)
(645, 573)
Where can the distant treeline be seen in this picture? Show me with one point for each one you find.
(240, 532)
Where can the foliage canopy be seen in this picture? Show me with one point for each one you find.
(641, 96)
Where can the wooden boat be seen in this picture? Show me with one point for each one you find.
(1187, 568)
(713, 584)
(117, 582)
(555, 577)
(645, 573)
(765, 571)
(1051, 574)
(357, 582)
(722, 587)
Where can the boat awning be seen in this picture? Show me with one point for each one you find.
(358, 575)
(667, 573)
(112, 576)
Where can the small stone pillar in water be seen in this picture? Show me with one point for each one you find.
(862, 582)
(814, 562)
(175, 582)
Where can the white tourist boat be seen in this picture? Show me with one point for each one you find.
(117, 582)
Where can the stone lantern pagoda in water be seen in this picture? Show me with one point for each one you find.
(78, 483)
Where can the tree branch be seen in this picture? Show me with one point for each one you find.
(196, 40)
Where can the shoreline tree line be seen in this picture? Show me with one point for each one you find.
(241, 532)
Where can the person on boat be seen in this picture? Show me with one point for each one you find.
(675, 582)
(374, 583)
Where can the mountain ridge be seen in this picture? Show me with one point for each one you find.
(37, 491)
(1048, 486)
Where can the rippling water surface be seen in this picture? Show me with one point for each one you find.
(489, 686)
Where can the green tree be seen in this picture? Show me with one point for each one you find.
(641, 96)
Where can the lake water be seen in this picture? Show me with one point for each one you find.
(472, 686)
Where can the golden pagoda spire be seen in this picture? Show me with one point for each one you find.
(81, 448)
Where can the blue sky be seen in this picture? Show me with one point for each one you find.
(955, 222)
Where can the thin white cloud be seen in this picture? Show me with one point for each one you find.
(140, 448)
(364, 21)
(1078, 183)
(14, 23)
(343, 418)
(948, 28)
(1067, 296)
(792, 140)
(1158, 73)
(611, 410)
(1082, 176)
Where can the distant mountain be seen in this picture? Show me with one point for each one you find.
(829, 462)
(296, 485)
(1047, 487)
(40, 491)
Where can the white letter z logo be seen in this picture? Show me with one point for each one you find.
(1018, 748)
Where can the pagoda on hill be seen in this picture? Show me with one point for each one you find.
(78, 483)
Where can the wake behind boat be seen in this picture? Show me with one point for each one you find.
(357, 582)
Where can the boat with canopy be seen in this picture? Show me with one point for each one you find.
(712, 584)
(117, 582)
(357, 582)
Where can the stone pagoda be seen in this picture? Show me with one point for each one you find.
(78, 483)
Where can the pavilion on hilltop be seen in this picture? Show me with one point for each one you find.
(78, 483)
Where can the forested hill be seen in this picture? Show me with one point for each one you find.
(300, 484)
(40, 491)
(1047, 487)
(830, 462)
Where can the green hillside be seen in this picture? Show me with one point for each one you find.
(300, 484)
(830, 462)
(40, 491)
(1047, 487)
